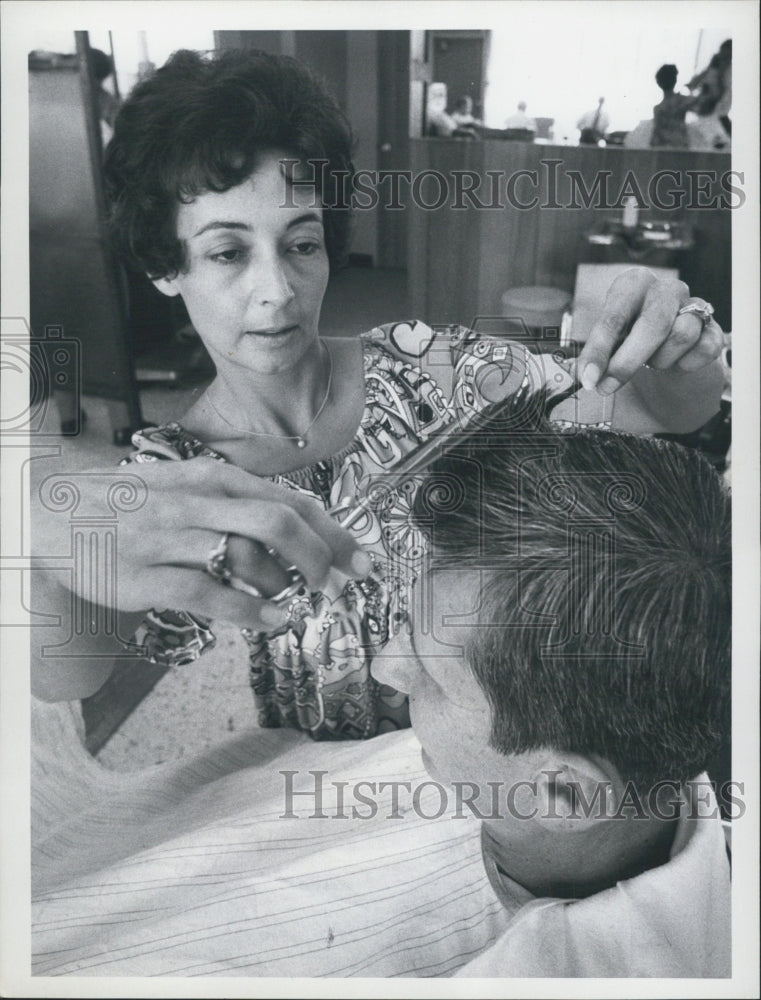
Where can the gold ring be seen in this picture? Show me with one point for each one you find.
(217, 569)
(700, 308)
(216, 561)
(296, 588)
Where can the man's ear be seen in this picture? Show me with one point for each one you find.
(167, 286)
(574, 792)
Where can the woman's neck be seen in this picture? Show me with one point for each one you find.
(335, 429)
(278, 403)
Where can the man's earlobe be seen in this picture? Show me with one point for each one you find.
(574, 792)
(167, 286)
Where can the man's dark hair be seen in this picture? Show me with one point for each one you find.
(100, 64)
(201, 123)
(666, 76)
(606, 593)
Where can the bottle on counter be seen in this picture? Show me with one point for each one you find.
(631, 212)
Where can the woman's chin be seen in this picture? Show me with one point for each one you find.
(270, 353)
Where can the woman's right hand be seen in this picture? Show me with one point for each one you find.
(162, 546)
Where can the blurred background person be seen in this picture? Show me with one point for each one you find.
(108, 103)
(462, 115)
(519, 119)
(669, 126)
(593, 125)
(715, 83)
(438, 122)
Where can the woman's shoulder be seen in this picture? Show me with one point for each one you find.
(413, 341)
(474, 368)
(443, 347)
(168, 441)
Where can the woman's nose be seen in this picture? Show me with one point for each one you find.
(270, 285)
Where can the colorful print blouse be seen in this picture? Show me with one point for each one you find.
(315, 675)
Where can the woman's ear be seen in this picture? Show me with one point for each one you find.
(167, 286)
(575, 792)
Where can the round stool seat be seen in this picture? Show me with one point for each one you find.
(537, 305)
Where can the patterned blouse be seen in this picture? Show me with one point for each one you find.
(315, 674)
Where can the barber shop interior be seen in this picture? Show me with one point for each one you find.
(268, 267)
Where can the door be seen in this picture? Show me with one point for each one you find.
(459, 60)
(393, 141)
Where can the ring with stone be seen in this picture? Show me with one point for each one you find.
(216, 561)
(297, 587)
(217, 568)
(700, 308)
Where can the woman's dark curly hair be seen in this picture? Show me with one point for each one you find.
(200, 124)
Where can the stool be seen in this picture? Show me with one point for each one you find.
(538, 306)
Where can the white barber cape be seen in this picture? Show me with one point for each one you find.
(205, 868)
(670, 921)
(189, 869)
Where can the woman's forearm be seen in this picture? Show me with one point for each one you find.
(68, 662)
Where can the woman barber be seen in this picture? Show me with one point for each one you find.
(200, 175)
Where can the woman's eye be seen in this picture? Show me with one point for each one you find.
(305, 248)
(229, 256)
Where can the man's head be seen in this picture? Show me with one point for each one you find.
(100, 64)
(578, 608)
(666, 76)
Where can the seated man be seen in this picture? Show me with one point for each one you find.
(586, 672)
(568, 674)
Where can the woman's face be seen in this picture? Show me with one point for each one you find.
(255, 270)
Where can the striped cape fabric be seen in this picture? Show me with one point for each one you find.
(204, 867)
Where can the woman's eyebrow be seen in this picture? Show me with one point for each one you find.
(230, 224)
(305, 217)
(221, 224)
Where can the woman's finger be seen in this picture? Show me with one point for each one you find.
(686, 353)
(198, 593)
(249, 561)
(623, 304)
(277, 525)
(345, 554)
(196, 491)
(653, 329)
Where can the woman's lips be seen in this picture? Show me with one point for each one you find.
(281, 331)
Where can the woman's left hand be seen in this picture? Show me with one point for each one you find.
(640, 325)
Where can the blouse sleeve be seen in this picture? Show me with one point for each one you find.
(170, 637)
(473, 370)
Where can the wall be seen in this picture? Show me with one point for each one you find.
(560, 65)
(347, 63)
(463, 259)
(74, 281)
(362, 111)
